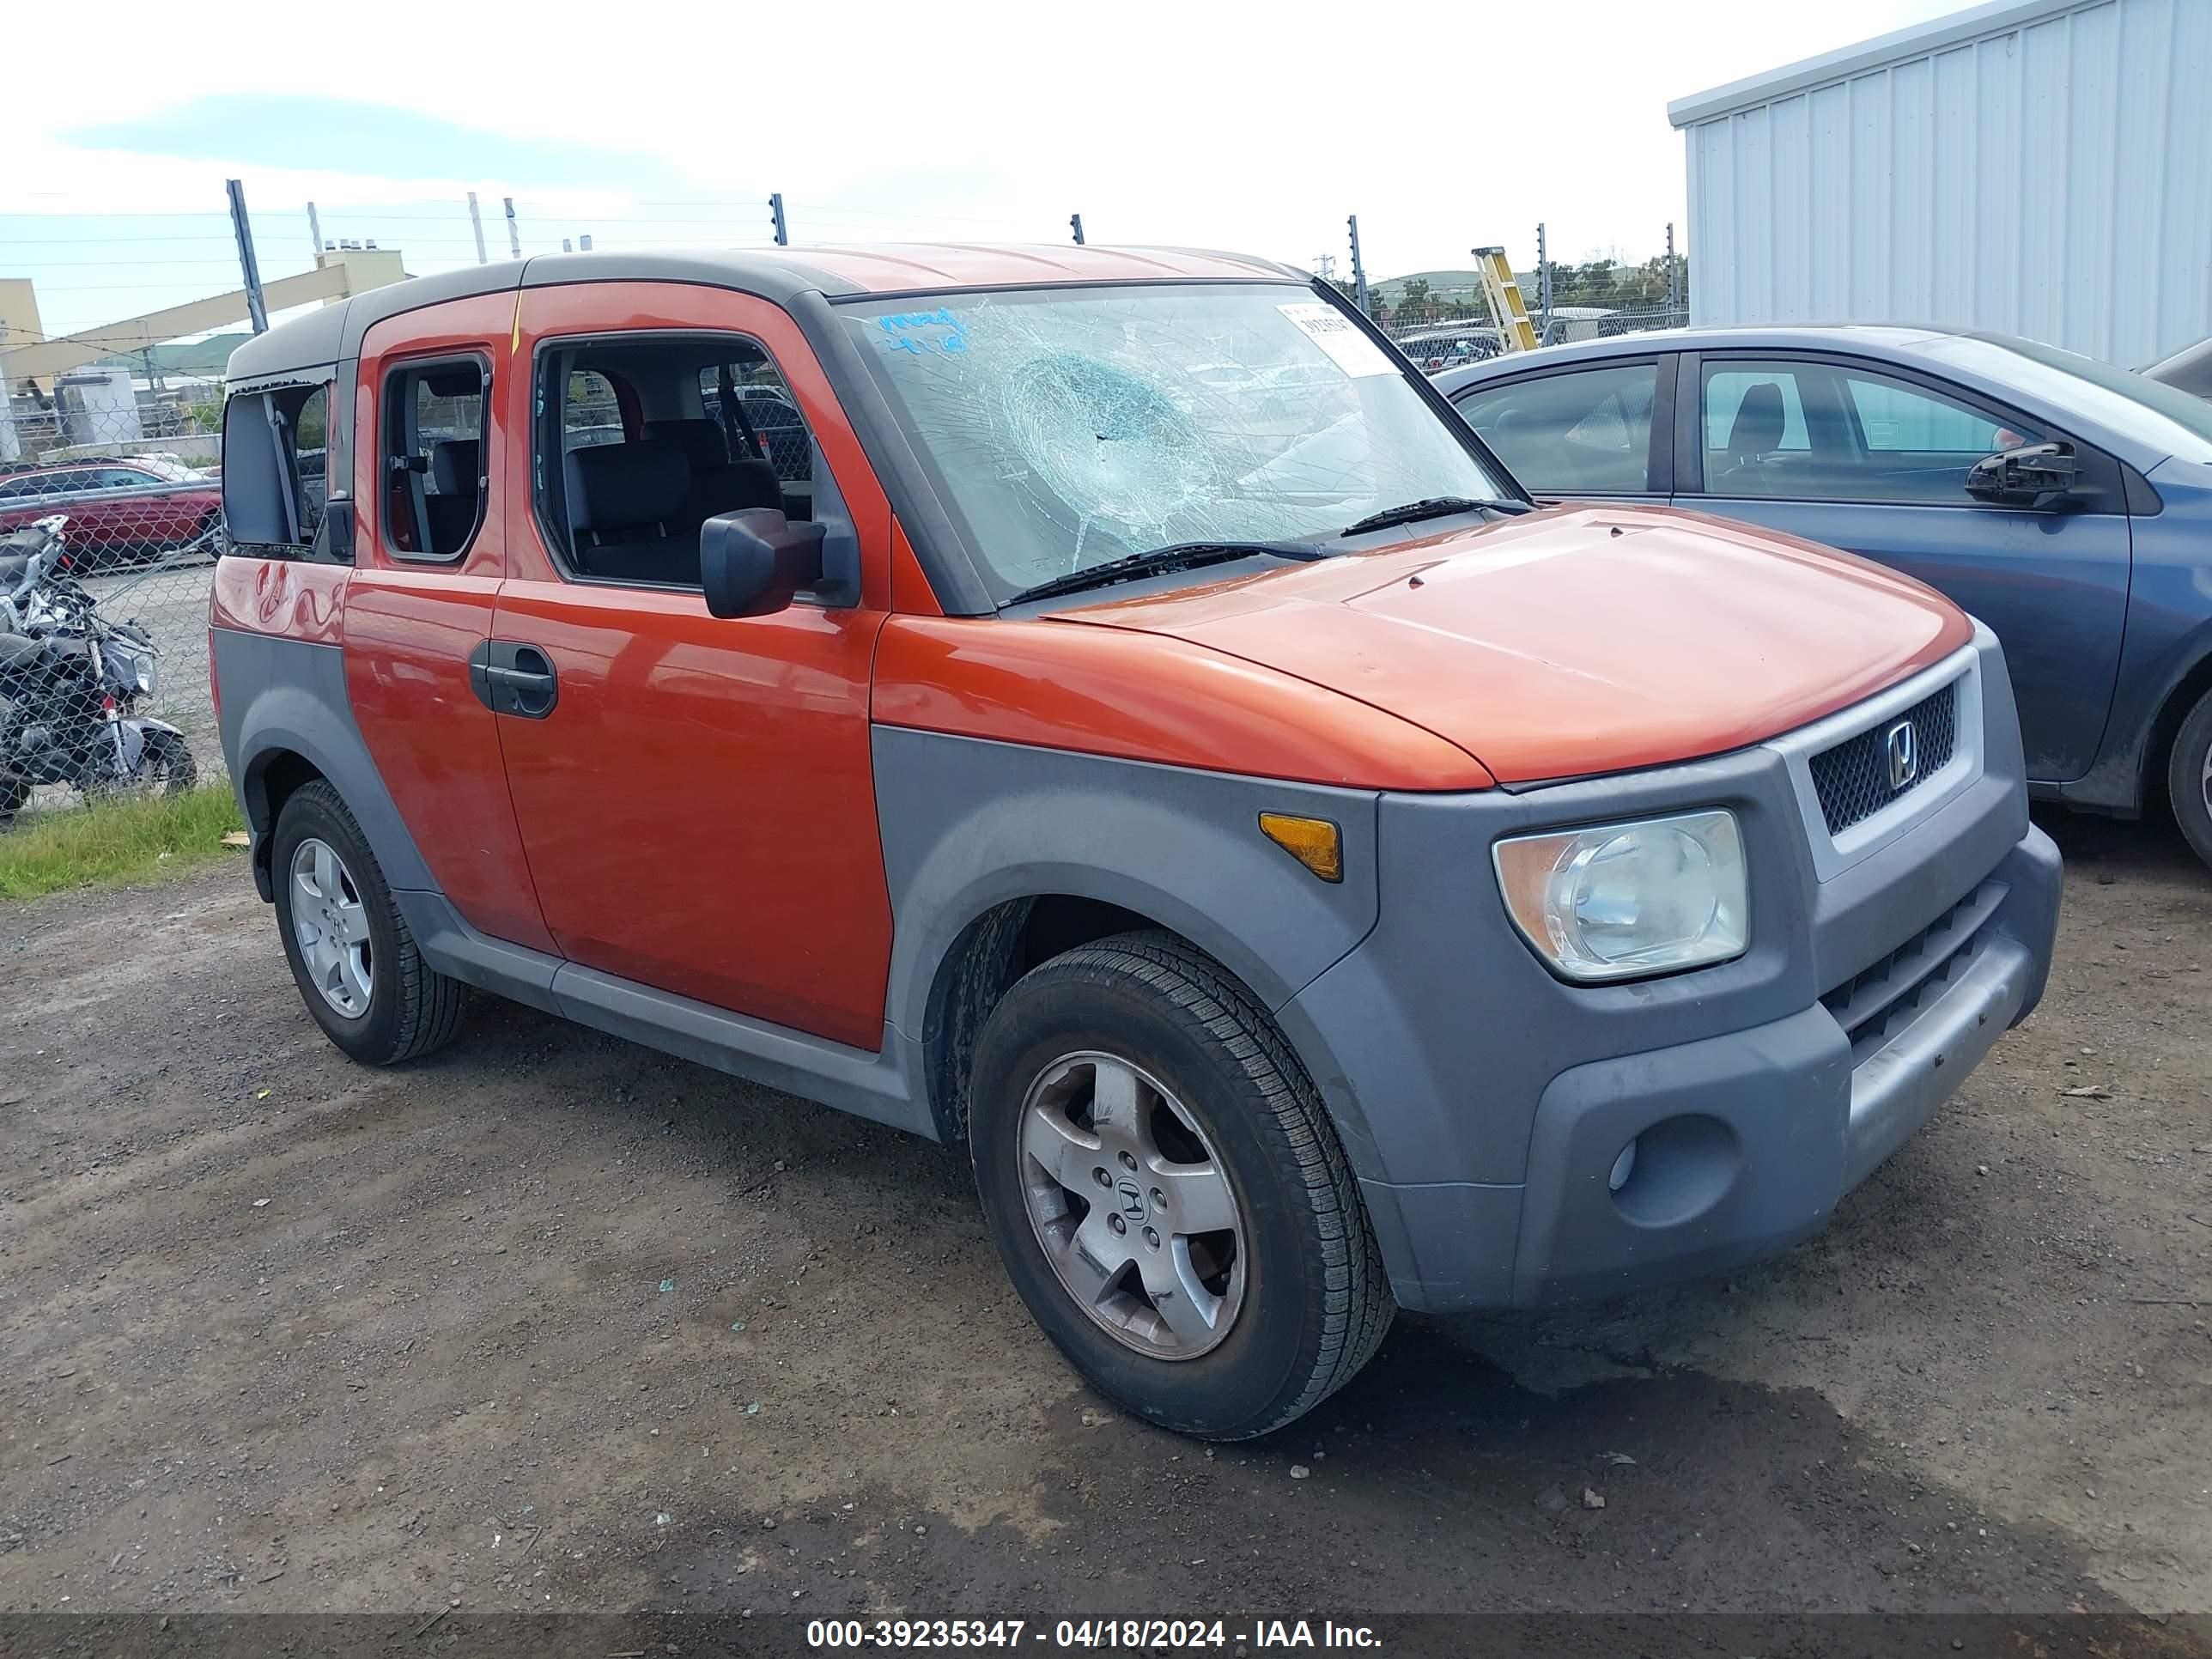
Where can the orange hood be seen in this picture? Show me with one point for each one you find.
(1581, 639)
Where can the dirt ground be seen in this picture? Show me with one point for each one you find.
(554, 1322)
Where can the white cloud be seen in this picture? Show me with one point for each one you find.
(1246, 125)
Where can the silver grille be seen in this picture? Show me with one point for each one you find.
(1854, 779)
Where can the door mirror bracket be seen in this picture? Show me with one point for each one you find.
(753, 562)
(2043, 477)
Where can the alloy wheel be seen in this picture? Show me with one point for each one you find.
(1133, 1207)
(329, 923)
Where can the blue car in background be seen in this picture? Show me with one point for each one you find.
(2065, 502)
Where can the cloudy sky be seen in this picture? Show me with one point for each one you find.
(1244, 126)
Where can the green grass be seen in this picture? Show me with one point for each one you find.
(116, 841)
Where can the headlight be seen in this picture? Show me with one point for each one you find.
(1622, 900)
(135, 666)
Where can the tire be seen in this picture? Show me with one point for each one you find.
(403, 1008)
(169, 760)
(15, 792)
(1276, 1311)
(2189, 777)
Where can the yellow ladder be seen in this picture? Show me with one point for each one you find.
(1516, 331)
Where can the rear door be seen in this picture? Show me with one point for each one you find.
(1872, 459)
(1592, 431)
(432, 522)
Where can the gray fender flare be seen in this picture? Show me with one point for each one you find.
(282, 695)
(968, 825)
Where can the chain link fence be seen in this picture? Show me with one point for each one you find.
(104, 629)
(1438, 344)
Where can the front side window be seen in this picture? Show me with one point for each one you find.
(1588, 433)
(1821, 431)
(1069, 428)
(433, 456)
(644, 446)
(759, 415)
(592, 412)
(1751, 413)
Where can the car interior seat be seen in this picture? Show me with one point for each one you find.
(456, 467)
(626, 505)
(718, 485)
(1754, 434)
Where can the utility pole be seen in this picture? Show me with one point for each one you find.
(1075, 224)
(776, 217)
(1543, 290)
(1359, 271)
(315, 233)
(475, 224)
(1673, 280)
(248, 266)
(513, 235)
(1325, 266)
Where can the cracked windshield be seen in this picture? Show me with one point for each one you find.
(1069, 430)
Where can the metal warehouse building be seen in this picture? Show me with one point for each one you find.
(2040, 166)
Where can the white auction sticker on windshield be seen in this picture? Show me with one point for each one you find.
(1339, 336)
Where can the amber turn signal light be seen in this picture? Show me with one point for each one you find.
(1314, 842)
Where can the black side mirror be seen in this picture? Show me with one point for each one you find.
(753, 562)
(2035, 475)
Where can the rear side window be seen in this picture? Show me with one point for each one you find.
(273, 485)
(433, 456)
(1585, 434)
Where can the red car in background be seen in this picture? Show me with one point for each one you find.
(119, 510)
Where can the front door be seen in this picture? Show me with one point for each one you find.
(1875, 461)
(695, 793)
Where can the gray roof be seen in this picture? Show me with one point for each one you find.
(1877, 338)
(1997, 17)
(781, 275)
(334, 333)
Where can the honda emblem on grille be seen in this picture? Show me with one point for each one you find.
(1904, 751)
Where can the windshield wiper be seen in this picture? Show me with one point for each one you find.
(1161, 561)
(1435, 506)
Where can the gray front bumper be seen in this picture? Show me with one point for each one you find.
(1484, 1103)
(1747, 1142)
(1897, 1089)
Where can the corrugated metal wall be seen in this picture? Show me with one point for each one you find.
(2054, 181)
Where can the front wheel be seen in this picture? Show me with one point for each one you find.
(2189, 777)
(168, 767)
(351, 954)
(1167, 1192)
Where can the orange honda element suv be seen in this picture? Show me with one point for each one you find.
(1101, 707)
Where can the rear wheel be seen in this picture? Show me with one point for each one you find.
(1167, 1192)
(2189, 777)
(355, 964)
